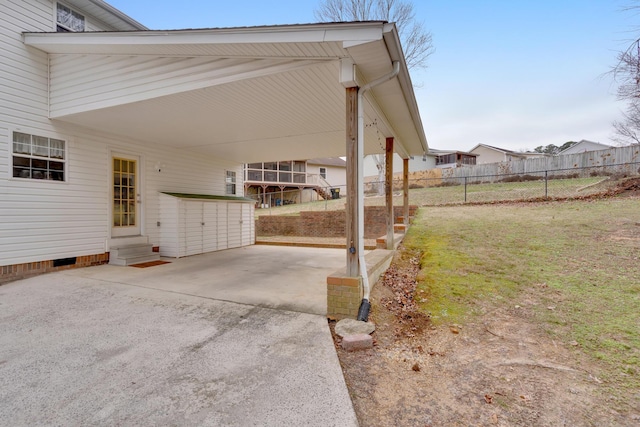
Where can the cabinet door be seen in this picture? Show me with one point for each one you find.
(210, 227)
(247, 224)
(193, 228)
(222, 226)
(234, 224)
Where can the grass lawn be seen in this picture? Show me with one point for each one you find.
(434, 196)
(585, 253)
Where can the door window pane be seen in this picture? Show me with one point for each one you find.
(124, 193)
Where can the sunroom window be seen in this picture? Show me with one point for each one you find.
(68, 20)
(38, 157)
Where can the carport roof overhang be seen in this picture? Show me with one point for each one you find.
(243, 94)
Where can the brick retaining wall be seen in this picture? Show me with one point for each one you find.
(327, 223)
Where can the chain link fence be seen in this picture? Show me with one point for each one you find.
(551, 184)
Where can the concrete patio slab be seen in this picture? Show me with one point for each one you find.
(286, 278)
(94, 347)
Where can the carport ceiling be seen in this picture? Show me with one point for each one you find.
(242, 94)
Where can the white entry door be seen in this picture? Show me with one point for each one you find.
(125, 192)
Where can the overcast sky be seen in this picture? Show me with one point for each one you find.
(515, 74)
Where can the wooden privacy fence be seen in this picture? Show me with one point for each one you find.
(564, 163)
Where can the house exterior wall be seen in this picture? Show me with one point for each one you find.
(43, 220)
(336, 176)
(487, 155)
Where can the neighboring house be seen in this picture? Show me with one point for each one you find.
(114, 136)
(489, 154)
(295, 181)
(331, 170)
(453, 159)
(584, 146)
(416, 163)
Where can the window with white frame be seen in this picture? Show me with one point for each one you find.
(68, 20)
(38, 157)
(323, 173)
(231, 182)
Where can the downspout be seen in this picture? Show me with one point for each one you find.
(365, 305)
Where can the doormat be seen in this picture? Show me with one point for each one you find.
(149, 264)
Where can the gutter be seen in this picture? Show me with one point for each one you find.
(365, 305)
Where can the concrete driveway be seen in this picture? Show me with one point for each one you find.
(233, 338)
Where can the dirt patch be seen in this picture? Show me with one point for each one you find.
(499, 370)
(629, 187)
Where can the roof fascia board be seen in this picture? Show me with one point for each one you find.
(347, 33)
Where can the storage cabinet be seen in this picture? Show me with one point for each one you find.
(195, 224)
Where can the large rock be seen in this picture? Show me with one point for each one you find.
(353, 327)
(357, 342)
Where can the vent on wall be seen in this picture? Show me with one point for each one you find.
(64, 261)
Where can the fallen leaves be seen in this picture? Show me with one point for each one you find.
(400, 277)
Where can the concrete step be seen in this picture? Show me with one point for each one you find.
(119, 242)
(135, 259)
(132, 250)
(132, 254)
(381, 242)
(400, 219)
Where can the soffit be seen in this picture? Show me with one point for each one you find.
(293, 114)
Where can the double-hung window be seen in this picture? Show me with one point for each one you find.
(231, 183)
(68, 20)
(38, 157)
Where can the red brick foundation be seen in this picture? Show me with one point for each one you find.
(13, 272)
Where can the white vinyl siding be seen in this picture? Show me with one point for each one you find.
(43, 220)
(23, 71)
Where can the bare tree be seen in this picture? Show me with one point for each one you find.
(628, 129)
(626, 72)
(416, 41)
